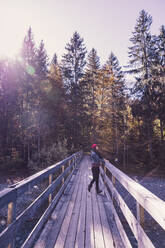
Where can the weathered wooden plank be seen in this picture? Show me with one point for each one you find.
(114, 230)
(47, 237)
(10, 195)
(72, 230)
(117, 241)
(66, 221)
(98, 234)
(80, 237)
(89, 237)
(107, 235)
(120, 227)
(43, 219)
(125, 209)
(133, 223)
(151, 203)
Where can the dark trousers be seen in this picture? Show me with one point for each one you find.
(95, 173)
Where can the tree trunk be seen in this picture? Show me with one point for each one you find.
(150, 138)
(161, 130)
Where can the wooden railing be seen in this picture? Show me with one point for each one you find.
(145, 201)
(57, 177)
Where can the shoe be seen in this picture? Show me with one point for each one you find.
(99, 191)
(89, 188)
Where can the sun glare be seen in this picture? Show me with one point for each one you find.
(14, 24)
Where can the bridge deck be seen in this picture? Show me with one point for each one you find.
(81, 219)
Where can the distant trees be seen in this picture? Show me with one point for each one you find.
(29, 97)
(9, 107)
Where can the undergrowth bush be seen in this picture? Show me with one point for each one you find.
(10, 164)
(49, 155)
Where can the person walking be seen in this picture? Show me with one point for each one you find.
(96, 159)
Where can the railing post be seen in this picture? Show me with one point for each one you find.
(11, 216)
(140, 220)
(113, 182)
(105, 169)
(50, 182)
(140, 214)
(69, 163)
(63, 169)
(74, 163)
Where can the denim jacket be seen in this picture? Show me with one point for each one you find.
(95, 158)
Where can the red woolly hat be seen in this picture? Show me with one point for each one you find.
(94, 145)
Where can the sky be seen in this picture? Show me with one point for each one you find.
(106, 25)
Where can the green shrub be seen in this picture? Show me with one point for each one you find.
(49, 155)
(9, 164)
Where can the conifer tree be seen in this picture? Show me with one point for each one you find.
(28, 51)
(91, 79)
(28, 91)
(141, 58)
(139, 53)
(41, 61)
(158, 78)
(73, 61)
(72, 66)
(111, 102)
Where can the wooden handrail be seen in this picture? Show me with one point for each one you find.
(145, 201)
(9, 197)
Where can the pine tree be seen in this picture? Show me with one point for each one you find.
(139, 53)
(91, 79)
(28, 52)
(28, 92)
(73, 61)
(111, 102)
(141, 59)
(41, 61)
(54, 60)
(158, 78)
(93, 62)
(72, 66)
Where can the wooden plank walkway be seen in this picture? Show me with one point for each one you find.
(80, 219)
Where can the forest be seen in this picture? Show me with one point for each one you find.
(50, 109)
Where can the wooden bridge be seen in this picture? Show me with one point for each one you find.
(70, 216)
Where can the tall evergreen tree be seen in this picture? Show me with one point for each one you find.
(28, 51)
(93, 62)
(141, 58)
(28, 92)
(158, 78)
(117, 100)
(91, 80)
(73, 63)
(41, 61)
(140, 52)
(161, 77)
(111, 104)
